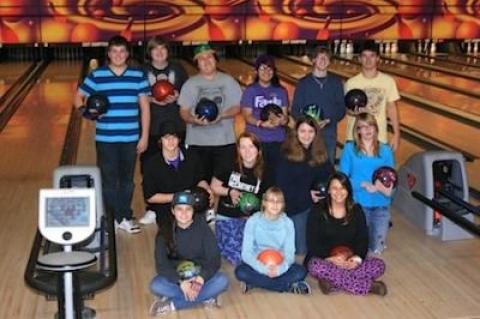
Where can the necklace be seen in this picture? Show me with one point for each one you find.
(320, 81)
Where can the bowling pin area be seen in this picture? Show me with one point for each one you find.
(432, 263)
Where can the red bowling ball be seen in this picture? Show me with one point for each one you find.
(162, 89)
(386, 175)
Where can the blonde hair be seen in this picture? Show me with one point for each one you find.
(371, 121)
(295, 152)
(154, 42)
(273, 191)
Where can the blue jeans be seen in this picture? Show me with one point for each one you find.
(377, 223)
(117, 166)
(331, 145)
(163, 287)
(300, 225)
(281, 283)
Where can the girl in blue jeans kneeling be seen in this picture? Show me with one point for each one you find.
(360, 158)
(271, 229)
(190, 240)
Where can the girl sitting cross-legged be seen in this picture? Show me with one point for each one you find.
(268, 250)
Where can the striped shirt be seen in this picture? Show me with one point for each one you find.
(121, 122)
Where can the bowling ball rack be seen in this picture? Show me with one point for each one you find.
(453, 208)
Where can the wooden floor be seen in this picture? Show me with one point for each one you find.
(10, 72)
(426, 278)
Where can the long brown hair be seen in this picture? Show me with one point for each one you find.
(295, 152)
(259, 163)
(371, 121)
(349, 203)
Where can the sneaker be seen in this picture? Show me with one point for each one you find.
(129, 226)
(212, 303)
(150, 217)
(210, 216)
(378, 288)
(245, 288)
(325, 286)
(161, 307)
(300, 288)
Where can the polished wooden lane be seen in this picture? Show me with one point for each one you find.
(31, 145)
(465, 60)
(451, 62)
(10, 72)
(468, 73)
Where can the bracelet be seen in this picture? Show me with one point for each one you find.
(228, 191)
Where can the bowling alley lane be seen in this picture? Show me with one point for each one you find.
(10, 72)
(243, 72)
(437, 65)
(464, 60)
(31, 144)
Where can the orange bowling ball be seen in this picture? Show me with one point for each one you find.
(162, 89)
(270, 257)
(341, 250)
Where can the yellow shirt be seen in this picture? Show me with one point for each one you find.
(380, 90)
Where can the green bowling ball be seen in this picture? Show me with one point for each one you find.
(249, 203)
(187, 269)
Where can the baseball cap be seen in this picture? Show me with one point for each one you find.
(183, 198)
(202, 49)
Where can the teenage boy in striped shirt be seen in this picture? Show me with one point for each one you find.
(122, 132)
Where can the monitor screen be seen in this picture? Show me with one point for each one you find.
(67, 211)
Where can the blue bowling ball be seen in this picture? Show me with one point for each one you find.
(207, 109)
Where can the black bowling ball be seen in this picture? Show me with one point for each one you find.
(202, 199)
(355, 98)
(97, 104)
(270, 109)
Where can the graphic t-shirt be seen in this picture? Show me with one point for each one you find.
(380, 90)
(256, 97)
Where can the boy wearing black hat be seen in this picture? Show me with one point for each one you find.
(171, 170)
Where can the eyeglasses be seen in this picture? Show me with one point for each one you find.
(274, 201)
(265, 68)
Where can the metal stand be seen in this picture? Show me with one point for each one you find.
(67, 262)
